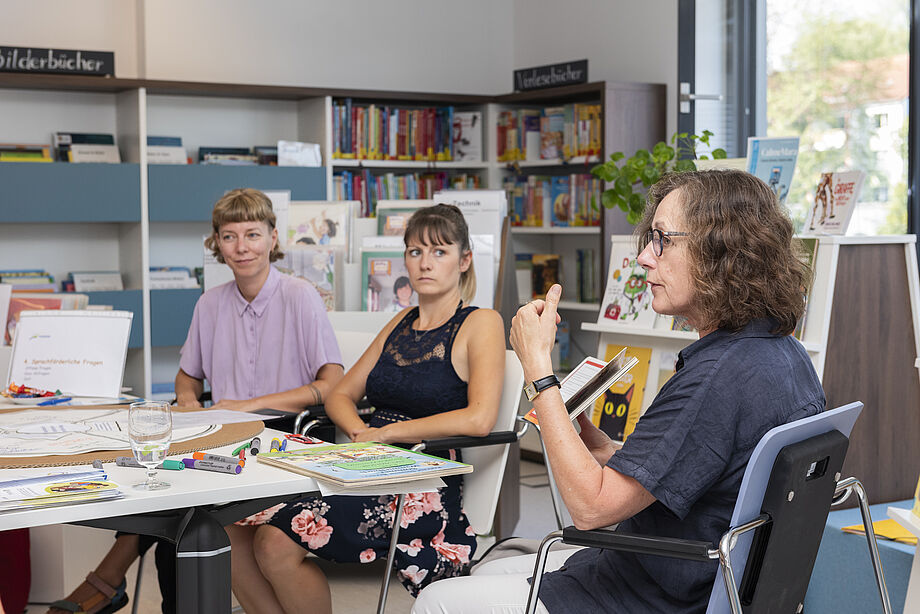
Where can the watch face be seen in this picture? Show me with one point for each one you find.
(530, 391)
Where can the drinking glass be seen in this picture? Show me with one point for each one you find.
(150, 431)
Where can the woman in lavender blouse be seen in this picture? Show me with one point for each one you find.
(262, 341)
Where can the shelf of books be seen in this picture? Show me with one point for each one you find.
(410, 164)
(559, 230)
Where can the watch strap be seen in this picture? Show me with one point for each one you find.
(537, 386)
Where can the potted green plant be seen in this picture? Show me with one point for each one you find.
(645, 167)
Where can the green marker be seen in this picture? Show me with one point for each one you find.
(241, 448)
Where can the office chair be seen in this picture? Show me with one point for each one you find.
(488, 455)
(789, 485)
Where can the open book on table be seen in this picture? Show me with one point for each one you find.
(363, 463)
(588, 381)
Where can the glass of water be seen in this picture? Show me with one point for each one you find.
(150, 431)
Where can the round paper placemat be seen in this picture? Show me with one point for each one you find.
(227, 434)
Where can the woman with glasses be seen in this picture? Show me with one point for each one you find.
(719, 251)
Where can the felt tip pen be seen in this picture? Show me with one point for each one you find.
(217, 458)
(127, 461)
(54, 401)
(192, 463)
(276, 445)
(254, 445)
(239, 449)
(97, 464)
(283, 445)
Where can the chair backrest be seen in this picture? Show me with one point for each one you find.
(354, 331)
(481, 487)
(757, 476)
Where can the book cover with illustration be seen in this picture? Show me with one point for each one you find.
(616, 412)
(772, 159)
(393, 215)
(318, 223)
(560, 201)
(314, 264)
(363, 464)
(833, 203)
(386, 285)
(627, 297)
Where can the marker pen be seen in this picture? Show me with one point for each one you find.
(127, 461)
(254, 445)
(276, 445)
(217, 458)
(239, 449)
(191, 463)
(283, 445)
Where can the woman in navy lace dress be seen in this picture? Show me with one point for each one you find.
(435, 370)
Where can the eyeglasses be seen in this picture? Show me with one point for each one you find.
(660, 239)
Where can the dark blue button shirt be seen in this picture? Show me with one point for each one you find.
(689, 450)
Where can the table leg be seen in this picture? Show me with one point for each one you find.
(202, 565)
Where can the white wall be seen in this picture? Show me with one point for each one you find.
(408, 45)
(623, 40)
(92, 25)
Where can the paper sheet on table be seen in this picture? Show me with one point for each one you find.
(400, 488)
(215, 416)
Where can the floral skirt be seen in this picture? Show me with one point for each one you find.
(435, 537)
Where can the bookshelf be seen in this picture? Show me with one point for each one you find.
(132, 215)
(632, 115)
(862, 333)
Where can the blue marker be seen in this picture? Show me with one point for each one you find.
(283, 445)
(55, 401)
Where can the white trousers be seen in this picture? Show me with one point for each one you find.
(496, 587)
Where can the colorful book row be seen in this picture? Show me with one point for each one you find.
(549, 133)
(369, 188)
(566, 200)
(373, 132)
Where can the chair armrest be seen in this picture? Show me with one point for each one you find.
(641, 544)
(447, 443)
(365, 409)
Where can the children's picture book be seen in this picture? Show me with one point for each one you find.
(588, 381)
(467, 136)
(386, 285)
(360, 464)
(889, 529)
(55, 490)
(617, 411)
(627, 298)
(319, 222)
(35, 301)
(772, 159)
(544, 273)
(393, 215)
(314, 264)
(834, 201)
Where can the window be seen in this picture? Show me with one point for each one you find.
(837, 77)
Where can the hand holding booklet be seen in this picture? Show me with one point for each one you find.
(588, 381)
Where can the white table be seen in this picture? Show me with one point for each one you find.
(906, 519)
(195, 525)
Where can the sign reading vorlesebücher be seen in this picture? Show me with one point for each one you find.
(57, 61)
(553, 75)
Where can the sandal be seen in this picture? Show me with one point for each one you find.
(105, 601)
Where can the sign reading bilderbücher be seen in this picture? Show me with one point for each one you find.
(553, 75)
(57, 61)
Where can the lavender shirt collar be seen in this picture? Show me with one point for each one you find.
(262, 299)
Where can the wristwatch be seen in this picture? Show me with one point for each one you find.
(535, 387)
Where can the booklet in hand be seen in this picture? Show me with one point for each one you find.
(588, 381)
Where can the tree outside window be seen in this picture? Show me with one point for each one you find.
(838, 79)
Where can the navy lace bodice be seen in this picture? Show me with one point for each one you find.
(414, 376)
